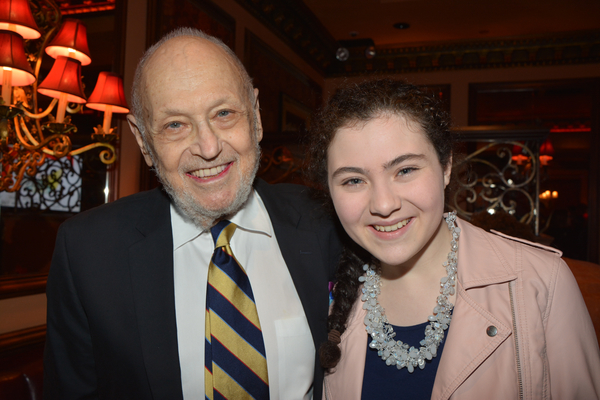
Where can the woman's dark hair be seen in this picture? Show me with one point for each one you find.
(360, 103)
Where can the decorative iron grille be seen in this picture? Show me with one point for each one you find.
(501, 171)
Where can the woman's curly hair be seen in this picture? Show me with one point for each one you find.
(360, 103)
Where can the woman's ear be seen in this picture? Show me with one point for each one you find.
(448, 172)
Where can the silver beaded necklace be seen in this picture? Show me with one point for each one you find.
(395, 352)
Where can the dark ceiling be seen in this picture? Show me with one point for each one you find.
(434, 21)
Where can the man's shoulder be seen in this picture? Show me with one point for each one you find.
(281, 189)
(123, 210)
(287, 194)
(292, 202)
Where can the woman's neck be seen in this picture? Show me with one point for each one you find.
(429, 258)
(409, 291)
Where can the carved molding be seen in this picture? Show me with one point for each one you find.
(297, 26)
(574, 48)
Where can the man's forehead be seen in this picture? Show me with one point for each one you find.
(187, 63)
(186, 57)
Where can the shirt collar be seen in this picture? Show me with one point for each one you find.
(252, 218)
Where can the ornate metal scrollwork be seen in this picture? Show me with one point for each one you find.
(500, 174)
(56, 186)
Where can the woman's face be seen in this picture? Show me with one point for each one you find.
(387, 186)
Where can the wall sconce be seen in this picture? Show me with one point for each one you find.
(546, 152)
(519, 150)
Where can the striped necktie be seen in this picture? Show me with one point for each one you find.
(235, 361)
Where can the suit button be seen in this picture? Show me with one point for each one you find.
(491, 331)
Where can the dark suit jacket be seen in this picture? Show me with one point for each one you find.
(112, 332)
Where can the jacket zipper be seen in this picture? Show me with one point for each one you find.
(514, 320)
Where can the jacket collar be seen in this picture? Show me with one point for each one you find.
(480, 262)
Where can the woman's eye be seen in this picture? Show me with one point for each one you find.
(223, 113)
(405, 171)
(352, 182)
(174, 125)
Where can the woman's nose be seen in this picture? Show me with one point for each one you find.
(384, 201)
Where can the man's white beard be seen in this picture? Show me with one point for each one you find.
(204, 218)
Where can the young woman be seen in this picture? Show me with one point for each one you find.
(427, 305)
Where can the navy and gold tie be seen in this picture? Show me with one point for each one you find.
(235, 361)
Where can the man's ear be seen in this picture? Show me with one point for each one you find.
(138, 137)
(259, 128)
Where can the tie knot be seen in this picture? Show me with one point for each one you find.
(222, 233)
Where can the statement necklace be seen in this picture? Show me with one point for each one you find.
(395, 352)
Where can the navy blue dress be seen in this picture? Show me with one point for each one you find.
(382, 381)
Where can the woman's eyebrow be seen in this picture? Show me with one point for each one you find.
(402, 158)
(346, 170)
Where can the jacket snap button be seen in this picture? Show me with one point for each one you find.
(491, 331)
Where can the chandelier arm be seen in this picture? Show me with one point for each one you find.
(30, 166)
(38, 64)
(107, 156)
(42, 114)
(59, 150)
(20, 124)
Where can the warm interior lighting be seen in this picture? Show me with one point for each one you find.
(63, 83)
(569, 130)
(64, 77)
(108, 96)
(546, 152)
(518, 155)
(547, 195)
(71, 41)
(27, 141)
(15, 15)
(520, 159)
(15, 71)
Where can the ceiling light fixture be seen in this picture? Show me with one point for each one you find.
(401, 25)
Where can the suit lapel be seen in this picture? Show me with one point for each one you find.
(151, 266)
(301, 252)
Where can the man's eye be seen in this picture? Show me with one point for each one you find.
(223, 113)
(174, 125)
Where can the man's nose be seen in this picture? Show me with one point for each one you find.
(207, 143)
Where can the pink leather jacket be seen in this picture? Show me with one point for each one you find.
(543, 345)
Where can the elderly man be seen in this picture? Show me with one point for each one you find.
(219, 289)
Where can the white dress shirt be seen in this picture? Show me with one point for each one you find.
(288, 341)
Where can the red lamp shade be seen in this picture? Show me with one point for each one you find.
(108, 91)
(518, 155)
(71, 41)
(546, 149)
(546, 152)
(64, 77)
(18, 14)
(12, 55)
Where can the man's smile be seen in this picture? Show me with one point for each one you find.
(209, 172)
